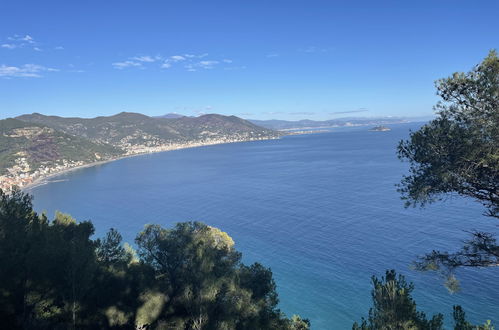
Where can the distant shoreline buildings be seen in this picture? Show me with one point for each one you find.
(21, 175)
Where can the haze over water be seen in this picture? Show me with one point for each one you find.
(321, 210)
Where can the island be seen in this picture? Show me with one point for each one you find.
(380, 129)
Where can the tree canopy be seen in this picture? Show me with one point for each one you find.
(458, 153)
(55, 276)
(395, 309)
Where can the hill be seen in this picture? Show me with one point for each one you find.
(33, 146)
(26, 147)
(131, 129)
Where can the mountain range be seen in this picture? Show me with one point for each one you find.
(276, 124)
(134, 128)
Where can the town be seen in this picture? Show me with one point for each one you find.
(23, 175)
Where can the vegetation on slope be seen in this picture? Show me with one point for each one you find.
(191, 277)
(188, 277)
(137, 128)
(34, 145)
(42, 145)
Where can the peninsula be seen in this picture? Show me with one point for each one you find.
(34, 147)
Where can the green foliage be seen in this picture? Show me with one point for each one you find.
(188, 277)
(394, 308)
(460, 322)
(452, 284)
(134, 126)
(458, 153)
(297, 323)
(42, 145)
(205, 282)
(111, 251)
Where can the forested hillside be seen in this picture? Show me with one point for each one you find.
(35, 145)
(136, 128)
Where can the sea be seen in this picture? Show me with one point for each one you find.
(321, 210)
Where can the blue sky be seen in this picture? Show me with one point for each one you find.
(255, 59)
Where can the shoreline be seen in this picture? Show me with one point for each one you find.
(46, 179)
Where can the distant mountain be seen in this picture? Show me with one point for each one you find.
(170, 116)
(34, 145)
(352, 121)
(127, 128)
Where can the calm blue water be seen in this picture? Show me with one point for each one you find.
(321, 210)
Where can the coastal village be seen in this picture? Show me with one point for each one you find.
(22, 175)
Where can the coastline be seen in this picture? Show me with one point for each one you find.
(46, 179)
